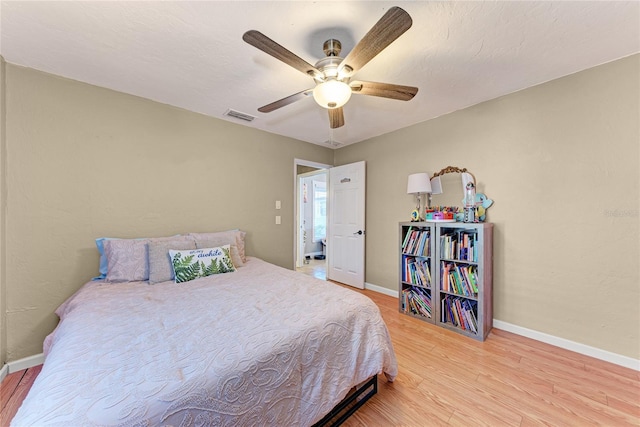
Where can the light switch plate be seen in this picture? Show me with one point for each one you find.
(278, 220)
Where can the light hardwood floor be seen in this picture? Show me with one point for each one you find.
(316, 268)
(446, 379)
(508, 380)
(13, 390)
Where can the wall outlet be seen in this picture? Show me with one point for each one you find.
(278, 220)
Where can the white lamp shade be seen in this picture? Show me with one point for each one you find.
(419, 183)
(332, 94)
(436, 184)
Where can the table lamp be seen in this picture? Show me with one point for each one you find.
(418, 184)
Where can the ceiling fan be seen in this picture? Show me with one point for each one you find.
(332, 74)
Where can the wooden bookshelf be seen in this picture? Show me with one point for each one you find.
(459, 294)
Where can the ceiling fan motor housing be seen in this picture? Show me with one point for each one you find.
(332, 47)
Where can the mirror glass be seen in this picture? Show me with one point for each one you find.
(452, 193)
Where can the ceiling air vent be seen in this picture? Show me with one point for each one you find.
(238, 115)
(333, 143)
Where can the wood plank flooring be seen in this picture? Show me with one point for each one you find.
(13, 390)
(446, 379)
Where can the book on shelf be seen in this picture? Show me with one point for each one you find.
(416, 271)
(458, 278)
(460, 312)
(417, 301)
(467, 246)
(406, 238)
(459, 245)
(417, 242)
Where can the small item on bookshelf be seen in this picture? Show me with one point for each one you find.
(470, 203)
(441, 213)
(482, 204)
(477, 211)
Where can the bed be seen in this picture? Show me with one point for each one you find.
(259, 346)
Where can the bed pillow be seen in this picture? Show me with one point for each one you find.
(193, 264)
(238, 235)
(126, 260)
(103, 258)
(104, 265)
(221, 241)
(160, 268)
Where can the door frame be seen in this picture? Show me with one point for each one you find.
(296, 198)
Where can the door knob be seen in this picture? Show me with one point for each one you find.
(359, 232)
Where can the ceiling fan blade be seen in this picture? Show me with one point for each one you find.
(285, 101)
(384, 90)
(265, 44)
(391, 26)
(336, 117)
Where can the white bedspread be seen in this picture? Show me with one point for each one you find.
(261, 346)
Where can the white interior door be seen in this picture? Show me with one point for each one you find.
(346, 228)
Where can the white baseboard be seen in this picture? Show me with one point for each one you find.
(25, 363)
(4, 372)
(607, 356)
(381, 290)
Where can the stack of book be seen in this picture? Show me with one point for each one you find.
(416, 301)
(459, 245)
(460, 312)
(461, 279)
(416, 271)
(467, 243)
(417, 242)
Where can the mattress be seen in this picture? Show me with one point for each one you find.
(261, 346)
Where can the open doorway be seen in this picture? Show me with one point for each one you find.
(311, 218)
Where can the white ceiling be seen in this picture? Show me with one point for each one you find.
(191, 54)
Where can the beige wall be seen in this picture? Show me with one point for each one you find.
(561, 162)
(85, 162)
(3, 329)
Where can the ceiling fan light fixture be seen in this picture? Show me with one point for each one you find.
(332, 93)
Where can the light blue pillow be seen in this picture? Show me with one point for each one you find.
(103, 258)
(104, 267)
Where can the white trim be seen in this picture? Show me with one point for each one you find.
(25, 363)
(607, 356)
(296, 202)
(4, 372)
(597, 353)
(380, 289)
(310, 164)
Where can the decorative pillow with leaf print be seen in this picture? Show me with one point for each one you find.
(192, 264)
